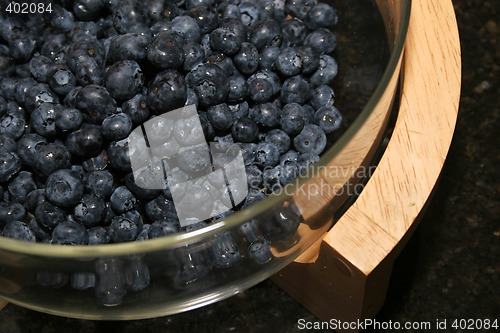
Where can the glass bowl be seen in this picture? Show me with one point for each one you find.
(180, 272)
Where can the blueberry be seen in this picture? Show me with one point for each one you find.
(51, 157)
(326, 72)
(294, 32)
(295, 90)
(89, 211)
(97, 235)
(118, 155)
(167, 92)
(3, 106)
(310, 59)
(162, 228)
(322, 95)
(225, 40)
(225, 250)
(245, 130)
(95, 103)
(138, 276)
(239, 110)
(122, 230)
(88, 71)
(289, 171)
(187, 27)
(70, 98)
(88, 9)
(321, 40)
(160, 209)
(83, 280)
(49, 216)
(13, 124)
(64, 188)
(7, 144)
(137, 184)
(328, 118)
(10, 165)
(82, 51)
(267, 154)
(271, 179)
(265, 114)
(51, 279)
(61, 19)
(12, 211)
(292, 119)
(70, 233)
(229, 11)
(280, 139)
(194, 56)
(312, 138)
(97, 162)
(250, 231)
(18, 230)
(99, 183)
(210, 83)
(254, 176)
(126, 15)
(299, 8)
(43, 119)
(322, 15)
(137, 108)
(129, 46)
(86, 141)
(166, 50)
(246, 59)
(263, 86)
(266, 33)
(223, 61)
(206, 16)
(122, 200)
(39, 66)
(22, 46)
(268, 57)
(21, 185)
(116, 126)
(28, 145)
(260, 251)
(220, 116)
(305, 160)
(68, 119)
(110, 280)
(41, 234)
(249, 13)
(238, 88)
(123, 79)
(34, 199)
(283, 224)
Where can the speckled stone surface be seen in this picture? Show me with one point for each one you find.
(450, 268)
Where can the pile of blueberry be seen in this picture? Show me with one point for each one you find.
(76, 80)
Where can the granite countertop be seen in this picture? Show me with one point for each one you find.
(449, 269)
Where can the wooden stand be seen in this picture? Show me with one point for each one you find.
(347, 280)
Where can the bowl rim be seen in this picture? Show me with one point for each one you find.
(183, 238)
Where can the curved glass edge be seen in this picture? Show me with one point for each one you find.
(176, 240)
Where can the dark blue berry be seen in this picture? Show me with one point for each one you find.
(321, 16)
(39, 66)
(326, 72)
(43, 119)
(238, 88)
(328, 118)
(68, 119)
(90, 210)
(13, 124)
(49, 216)
(271, 179)
(162, 228)
(292, 119)
(210, 83)
(98, 162)
(123, 79)
(260, 251)
(280, 139)
(299, 8)
(166, 92)
(27, 147)
(206, 16)
(122, 200)
(295, 90)
(266, 33)
(137, 108)
(18, 230)
(294, 32)
(21, 185)
(51, 157)
(10, 165)
(312, 138)
(86, 141)
(7, 144)
(70, 233)
(116, 126)
(119, 155)
(225, 250)
(194, 56)
(220, 116)
(322, 95)
(268, 56)
(263, 86)
(246, 60)
(267, 154)
(321, 40)
(310, 59)
(166, 50)
(129, 46)
(266, 114)
(11, 211)
(245, 130)
(99, 183)
(64, 188)
(95, 103)
(160, 208)
(97, 235)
